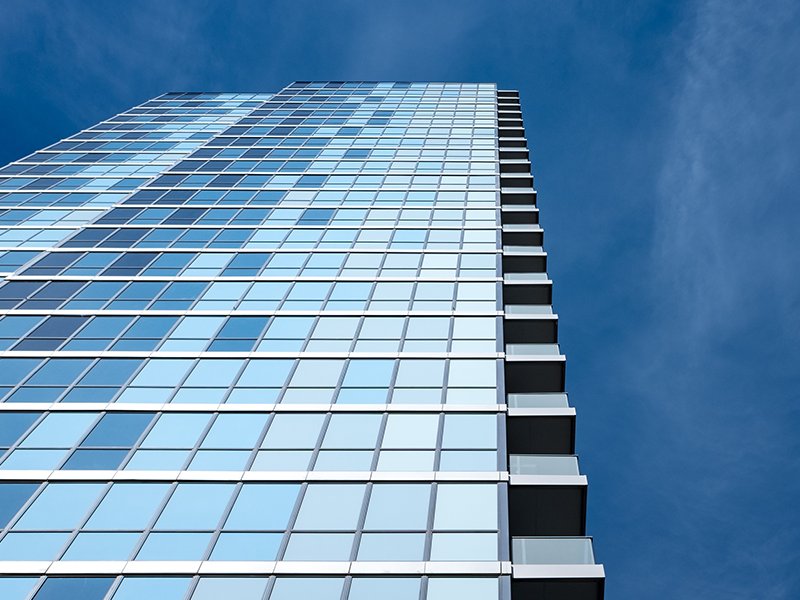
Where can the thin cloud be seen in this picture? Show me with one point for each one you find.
(729, 163)
(723, 340)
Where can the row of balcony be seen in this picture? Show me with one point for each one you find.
(552, 559)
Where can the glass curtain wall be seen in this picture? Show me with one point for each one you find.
(250, 348)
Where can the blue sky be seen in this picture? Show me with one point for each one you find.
(666, 147)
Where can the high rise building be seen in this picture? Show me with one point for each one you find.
(286, 346)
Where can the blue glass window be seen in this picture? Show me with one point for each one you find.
(102, 546)
(398, 507)
(472, 588)
(263, 507)
(411, 431)
(14, 370)
(466, 506)
(51, 333)
(118, 429)
(128, 506)
(318, 588)
(59, 430)
(95, 459)
(12, 497)
(183, 511)
(213, 373)
(176, 430)
(294, 431)
(153, 588)
(110, 372)
(174, 546)
(16, 588)
(330, 506)
(420, 373)
(150, 327)
(32, 546)
(368, 373)
(392, 546)
(74, 588)
(386, 588)
(464, 546)
(468, 373)
(316, 373)
(247, 546)
(162, 372)
(352, 431)
(59, 506)
(241, 588)
(235, 431)
(59, 371)
(13, 425)
(319, 546)
(265, 373)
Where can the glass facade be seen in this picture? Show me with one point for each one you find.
(255, 346)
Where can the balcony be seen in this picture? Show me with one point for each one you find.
(547, 495)
(534, 368)
(519, 215)
(543, 464)
(511, 132)
(521, 291)
(522, 234)
(513, 154)
(524, 259)
(507, 142)
(520, 329)
(517, 190)
(555, 568)
(540, 423)
(517, 165)
(519, 180)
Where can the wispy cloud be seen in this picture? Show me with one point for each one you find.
(716, 363)
(730, 165)
(391, 41)
(112, 50)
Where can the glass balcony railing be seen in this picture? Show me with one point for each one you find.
(532, 276)
(533, 349)
(538, 401)
(521, 227)
(552, 551)
(528, 309)
(534, 464)
(522, 249)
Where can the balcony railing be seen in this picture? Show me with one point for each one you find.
(538, 401)
(552, 551)
(533, 350)
(526, 276)
(528, 309)
(522, 249)
(540, 464)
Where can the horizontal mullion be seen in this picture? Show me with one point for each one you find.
(255, 568)
(367, 226)
(249, 354)
(251, 278)
(236, 476)
(247, 408)
(281, 312)
(278, 250)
